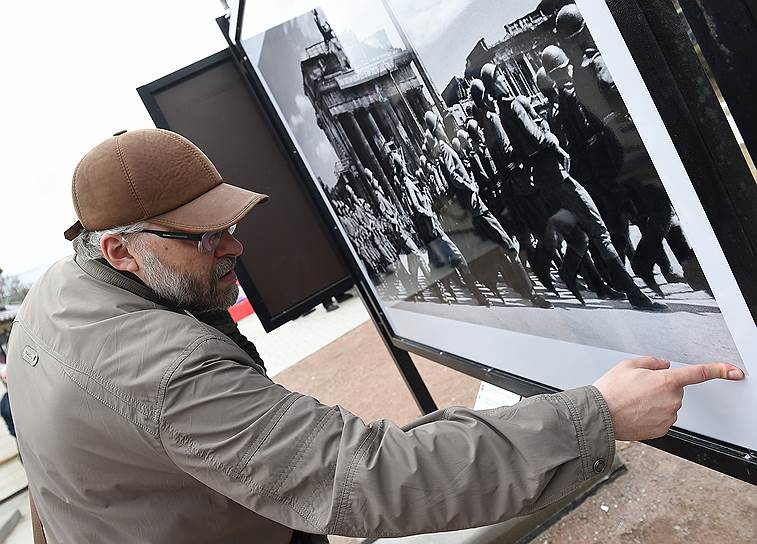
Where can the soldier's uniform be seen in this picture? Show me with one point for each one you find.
(541, 150)
(485, 224)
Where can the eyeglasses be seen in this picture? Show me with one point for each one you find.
(207, 242)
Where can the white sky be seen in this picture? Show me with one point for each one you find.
(70, 73)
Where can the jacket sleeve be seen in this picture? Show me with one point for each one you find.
(322, 470)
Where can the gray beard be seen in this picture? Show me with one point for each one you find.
(183, 290)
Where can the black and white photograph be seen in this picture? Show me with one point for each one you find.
(496, 178)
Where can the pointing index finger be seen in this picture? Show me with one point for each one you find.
(691, 374)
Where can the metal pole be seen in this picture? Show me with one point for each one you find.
(418, 63)
(413, 379)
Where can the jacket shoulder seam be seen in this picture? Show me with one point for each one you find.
(180, 358)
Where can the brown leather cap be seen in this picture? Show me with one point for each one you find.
(154, 175)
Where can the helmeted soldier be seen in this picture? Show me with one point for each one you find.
(550, 166)
(442, 251)
(434, 125)
(592, 77)
(529, 212)
(595, 151)
(401, 237)
(548, 88)
(485, 224)
(628, 181)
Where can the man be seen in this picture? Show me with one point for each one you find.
(595, 88)
(401, 238)
(139, 423)
(442, 251)
(550, 165)
(484, 222)
(593, 80)
(5, 406)
(528, 208)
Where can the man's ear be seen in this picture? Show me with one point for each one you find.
(117, 253)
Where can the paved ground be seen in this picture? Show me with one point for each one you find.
(662, 499)
(297, 339)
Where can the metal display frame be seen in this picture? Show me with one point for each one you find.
(268, 319)
(692, 133)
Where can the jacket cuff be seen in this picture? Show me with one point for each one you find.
(594, 430)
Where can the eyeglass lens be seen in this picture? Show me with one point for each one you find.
(210, 240)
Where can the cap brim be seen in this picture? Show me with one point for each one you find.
(224, 205)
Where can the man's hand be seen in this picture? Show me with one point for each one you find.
(645, 394)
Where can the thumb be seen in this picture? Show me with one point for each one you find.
(650, 363)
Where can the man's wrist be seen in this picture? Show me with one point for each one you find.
(595, 434)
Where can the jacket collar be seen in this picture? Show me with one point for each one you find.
(101, 270)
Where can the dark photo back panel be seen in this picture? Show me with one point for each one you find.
(289, 262)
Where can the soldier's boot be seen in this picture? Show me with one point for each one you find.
(523, 284)
(694, 275)
(438, 291)
(644, 268)
(596, 283)
(569, 272)
(636, 297)
(470, 283)
(666, 267)
(447, 282)
(540, 264)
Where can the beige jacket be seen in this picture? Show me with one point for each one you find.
(138, 423)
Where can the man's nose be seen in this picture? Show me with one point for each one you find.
(229, 246)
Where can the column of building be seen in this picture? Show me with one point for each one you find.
(362, 146)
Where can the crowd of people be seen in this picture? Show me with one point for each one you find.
(551, 185)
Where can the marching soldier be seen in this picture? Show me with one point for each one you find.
(550, 165)
(591, 89)
(442, 251)
(402, 239)
(528, 208)
(485, 224)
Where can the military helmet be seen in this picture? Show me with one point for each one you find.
(543, 81)
(430, 139)
(488, 71)
(471, 125)
(430, 120)
(477, 92)
(553, 58)
(569, 22)
(456, 145)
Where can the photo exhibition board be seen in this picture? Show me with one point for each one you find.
(552, 251)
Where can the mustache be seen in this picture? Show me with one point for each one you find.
(224, 266)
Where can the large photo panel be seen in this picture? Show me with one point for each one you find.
(508, 187)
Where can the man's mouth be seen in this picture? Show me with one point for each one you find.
(227, 272)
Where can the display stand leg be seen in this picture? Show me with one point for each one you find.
(413, 380)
